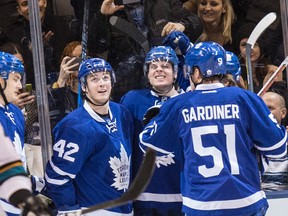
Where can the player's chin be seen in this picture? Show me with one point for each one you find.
(103, 97)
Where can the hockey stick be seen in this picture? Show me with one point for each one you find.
(84, 42)
(85, 29)
(131, 30)
(257, 31)
(137, 187)
(270, 81)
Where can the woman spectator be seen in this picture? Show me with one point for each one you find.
(65, 89)
(217, 17)
(262, 68)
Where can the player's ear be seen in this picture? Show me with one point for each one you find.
(196, 76)
(283, 113)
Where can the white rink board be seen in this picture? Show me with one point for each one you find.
(278, 203)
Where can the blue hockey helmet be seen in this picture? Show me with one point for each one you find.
(10, 64)
(94, 65)
(210, 57)
(233, 65)
(161, 53)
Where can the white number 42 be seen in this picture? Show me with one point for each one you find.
(60, 148)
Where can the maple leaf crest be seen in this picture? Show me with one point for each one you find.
(165, 160)
(18, 147)
(121, 169)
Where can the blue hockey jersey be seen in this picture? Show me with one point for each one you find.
(91, 160)
(13, 122)
(159, 193)
(218, 128)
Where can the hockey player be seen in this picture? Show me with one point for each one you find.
(160, 197)
(15, 186)
(92, 148)
(11, 117)
(233, 69)
(218, 128)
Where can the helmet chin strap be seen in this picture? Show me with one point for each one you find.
(162, 93)
(3, 94)
(88, 99)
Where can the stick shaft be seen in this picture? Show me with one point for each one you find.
(249, 68)
(271, 80)
(85, 29)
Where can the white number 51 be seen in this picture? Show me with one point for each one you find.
(216, 154)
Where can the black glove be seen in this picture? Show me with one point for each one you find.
(151, 113)
(24, 200)
(35, 205)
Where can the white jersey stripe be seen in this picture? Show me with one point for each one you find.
(55, 181)
(160, 197)
(59, 171)
(226, 204)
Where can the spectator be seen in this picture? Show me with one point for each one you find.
(8, 16)
(160, 197)
(214, 144)
(262, 68)
(21, 36)
(91, 159)
(15, 186)
(275, 175)
(217, 17)
(64, 92)
(160, 21)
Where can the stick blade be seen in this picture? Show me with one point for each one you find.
(138, 185)
(264, 23)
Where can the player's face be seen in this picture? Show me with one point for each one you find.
(24, 10)
(161, 75)
(255, 52)
(99, 87)
(210, 11)
(13, 87)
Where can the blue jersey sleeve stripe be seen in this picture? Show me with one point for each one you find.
(61, 172)
(277, 145)
(223, 204)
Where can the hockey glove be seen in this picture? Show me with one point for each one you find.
(178, 41)
(151, 113)
(29, 203)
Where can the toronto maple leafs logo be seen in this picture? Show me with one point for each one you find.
(111, 125)
(10, 115)
(272, 117)
(121, 169)
(19, 149)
